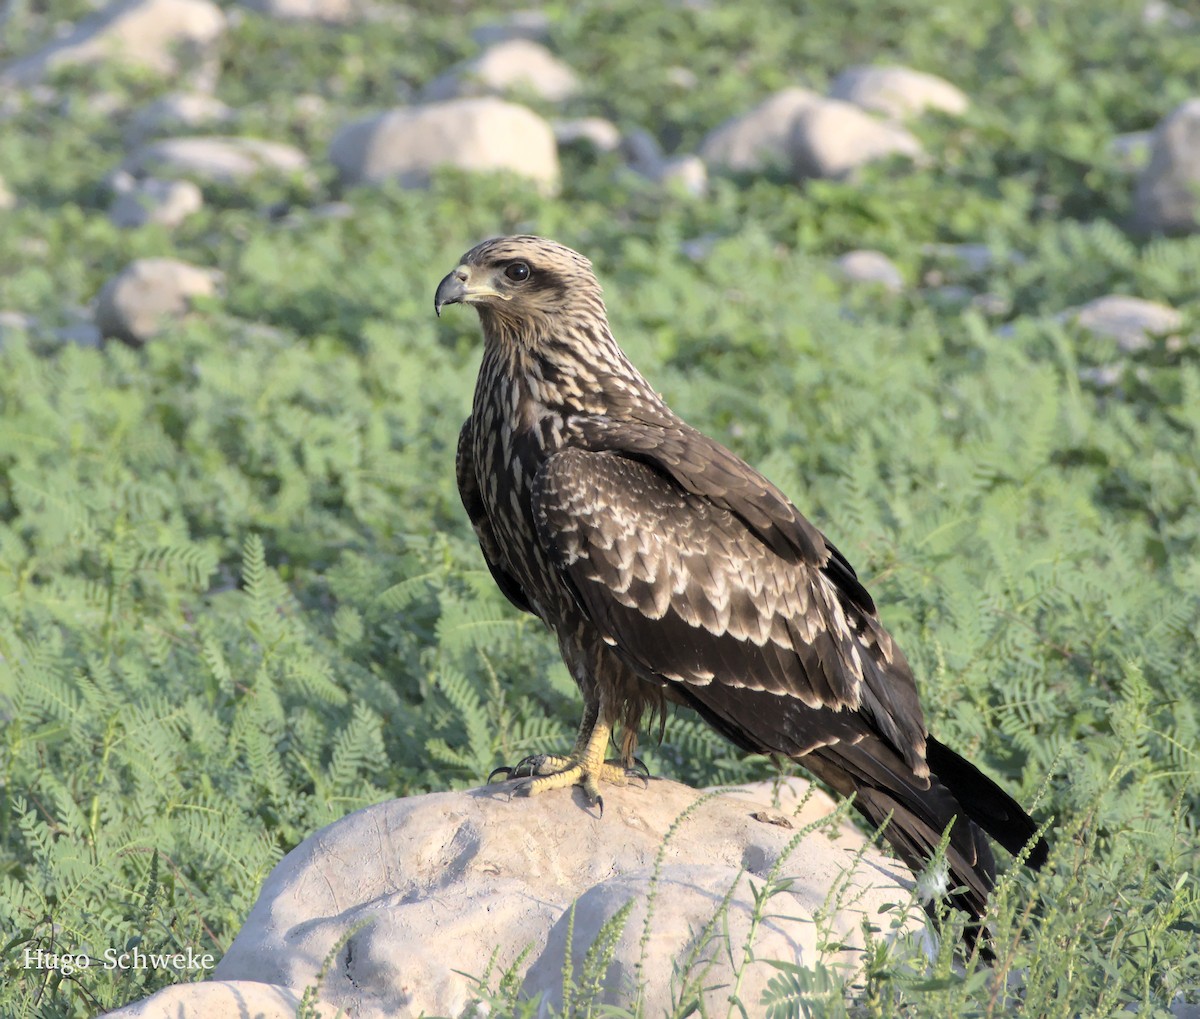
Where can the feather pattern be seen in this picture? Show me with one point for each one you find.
(672, 571)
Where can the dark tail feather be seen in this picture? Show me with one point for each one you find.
(986, 803)
(920, 812)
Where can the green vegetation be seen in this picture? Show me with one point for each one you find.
(239, 599)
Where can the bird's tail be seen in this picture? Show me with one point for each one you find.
(918, 811)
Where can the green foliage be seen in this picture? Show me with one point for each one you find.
(238, 597)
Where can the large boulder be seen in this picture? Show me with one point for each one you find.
(148, 295)
(1167, 199)
(832, 138)
(760, 139)
(398, 901)
(478, 135)
(1131, 321)
(139, 33)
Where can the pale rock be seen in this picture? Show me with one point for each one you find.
(516, 66)
(832, 138)
(686, 173)
(477, 135)
(165, 202)
(330, 12)
(1167, 199)
(180, 110)
(1131, 321)
(217, 160)
(871, 267)
(137, 33)
(898, 92)
(760, 139)
(602, 135)
(148, 295)
(532, 25)
(406, 896)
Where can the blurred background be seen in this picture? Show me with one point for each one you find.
(933, 267)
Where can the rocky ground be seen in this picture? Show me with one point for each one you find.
(186, 142)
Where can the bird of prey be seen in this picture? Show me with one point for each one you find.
(671, 572)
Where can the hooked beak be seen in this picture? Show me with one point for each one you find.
(456, 288)
(452, 289)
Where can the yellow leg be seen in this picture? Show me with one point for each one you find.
(585, 765)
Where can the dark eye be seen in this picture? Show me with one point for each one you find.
(517, 271)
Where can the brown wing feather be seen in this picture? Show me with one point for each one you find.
(690, 594)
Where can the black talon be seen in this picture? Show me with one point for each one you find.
(502, 770)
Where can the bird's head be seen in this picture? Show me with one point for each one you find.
(524, 283)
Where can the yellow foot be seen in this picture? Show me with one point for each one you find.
(542, 772)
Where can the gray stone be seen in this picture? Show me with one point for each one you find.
(166, 202)
(138, 33)
(148, 295)
(832, 138)
(1131, 321)
(517, 66)
(873, 267)
(898, 92)
(602, 135)
(419, 891)
(478, 135)
(217, 160)
(760, 139)
(180, 110)
(1167, 199)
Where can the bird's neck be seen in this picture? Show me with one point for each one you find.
(568, 371)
